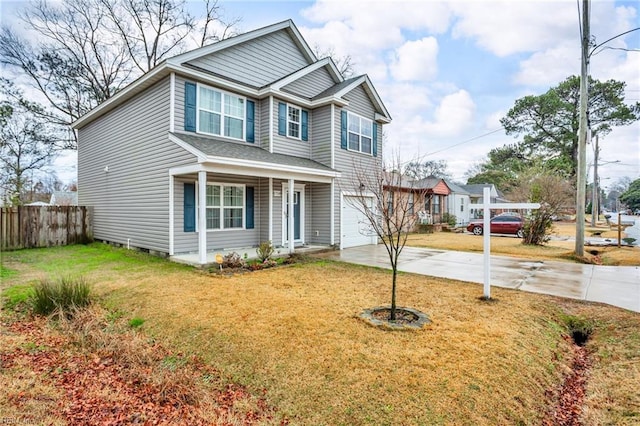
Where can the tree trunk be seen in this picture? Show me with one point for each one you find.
(392, 315)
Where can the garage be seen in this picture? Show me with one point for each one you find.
(355, 227)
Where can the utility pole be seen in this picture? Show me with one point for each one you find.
(582, 133)
(595, 201)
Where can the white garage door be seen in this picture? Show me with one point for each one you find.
(356, 228)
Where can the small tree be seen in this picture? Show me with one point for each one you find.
(552, 192)
(383, 199)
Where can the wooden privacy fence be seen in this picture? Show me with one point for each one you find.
(46, 226)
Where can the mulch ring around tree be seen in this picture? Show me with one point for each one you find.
(406, 318)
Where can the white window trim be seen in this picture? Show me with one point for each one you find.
(222, 114)
(222, 207)
(360, 135)
(299, 123)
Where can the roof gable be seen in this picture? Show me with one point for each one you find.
(256, 62)
(343, 89)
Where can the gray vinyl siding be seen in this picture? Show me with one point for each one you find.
(287, 145)
(262, 221)
(263, 130)
(319, 208)
(187, 242)
(178, 108)
(359, 103)
(257, 62)
(311, 84)
(131, 200)
(321, 130)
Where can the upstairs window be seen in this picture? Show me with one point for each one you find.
(360, 134)
(220, 113)
(293, 122)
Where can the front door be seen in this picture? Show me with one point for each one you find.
(297, 216)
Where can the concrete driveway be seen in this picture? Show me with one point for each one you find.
(614, 285)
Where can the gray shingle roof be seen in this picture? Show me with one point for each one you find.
(335, 88)
(456, 188)
(237, 150)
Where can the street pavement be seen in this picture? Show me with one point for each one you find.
(614, 285)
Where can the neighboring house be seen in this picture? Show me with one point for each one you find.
(476, 195)
(246, 140)
(458, 203)
(426, 198)
(64, 198)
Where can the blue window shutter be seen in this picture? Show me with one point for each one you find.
(189, 207)
(305, 125)
(375, 139)
(343, 130)
(190, 107)
(249, 207)
(282, 119)
(251, 110)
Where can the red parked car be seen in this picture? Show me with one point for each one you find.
(502, 224)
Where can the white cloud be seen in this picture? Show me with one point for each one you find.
(492, 121)
(508, 27)
(454, 114)
(549, 67)
(416, 60)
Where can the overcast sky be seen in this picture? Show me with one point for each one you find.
(448, 71)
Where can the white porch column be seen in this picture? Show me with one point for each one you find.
(171, 214)
(202, 217)
(332, 213)
(290, 218)
(271, 210)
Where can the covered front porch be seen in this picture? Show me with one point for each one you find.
(221, 204)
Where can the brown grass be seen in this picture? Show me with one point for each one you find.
(554, 250)
(293, 333)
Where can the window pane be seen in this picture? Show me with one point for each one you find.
(354, 141)
(213, 196)
(213, 218)
(233, 127)
(233, 106)
(294, 114)
(366, 127)
(209, 99)
(233, 196)
(366, 145)
(354, 123)
(209, 122)
(294, 130)
(233, 218)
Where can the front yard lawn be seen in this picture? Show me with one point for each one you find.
(290, 339)
(556, 249)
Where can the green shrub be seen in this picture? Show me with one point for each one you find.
(63, 296)
(265, 250)
(450, 219)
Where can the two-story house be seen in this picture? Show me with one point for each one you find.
(246, 140)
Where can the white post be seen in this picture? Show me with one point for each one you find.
(290, 216)
(202, 217)
(270, 210)
(171, 214)
(486, 226)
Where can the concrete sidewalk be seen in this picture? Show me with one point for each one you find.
(614, 285)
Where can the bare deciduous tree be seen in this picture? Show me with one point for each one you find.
(86, 51)
(382, 197)
(25, 144)
(345, 63)
(554, 194)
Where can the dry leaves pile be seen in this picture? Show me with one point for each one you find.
(106, 385)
